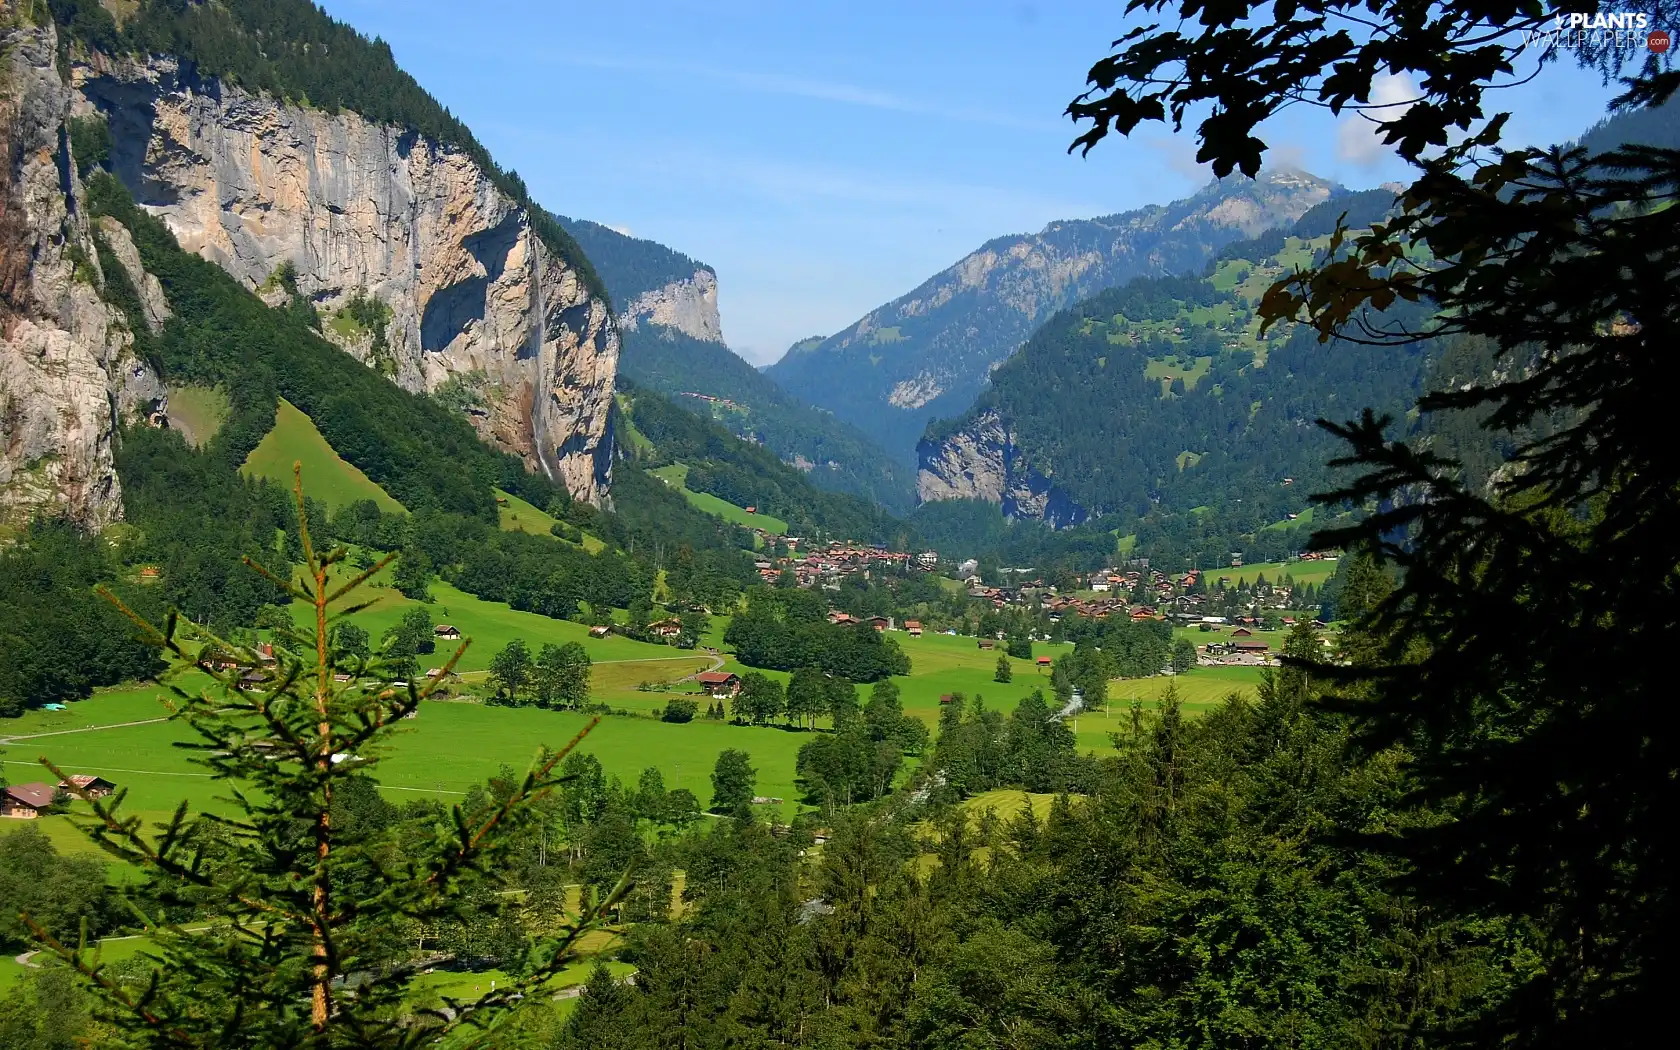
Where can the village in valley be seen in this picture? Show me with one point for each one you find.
(1232, 610)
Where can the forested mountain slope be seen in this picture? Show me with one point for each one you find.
(673, 343)
(1159, 407)
(745, 474)
(833, 454)
(927, 354)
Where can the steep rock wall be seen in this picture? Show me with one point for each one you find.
(357, 208)
(68, 372)
(690, 306)
(981, 462)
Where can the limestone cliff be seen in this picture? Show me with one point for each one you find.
(689, 305)
(981, 461)
(347, 208)
(68, 372)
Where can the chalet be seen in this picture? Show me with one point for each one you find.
(720, 684)
(986, 643)
(1242, 632)
(436, 674)
(444, 630)
(1044, 661)
(600, 631)
(665, 628)
(928, 559)
(26, 801)
(149, 573)
(944, 698)
(880, 623)
(914, 627)
(1099, 583)
(1250, 645)
(88, 784)
(842, 619)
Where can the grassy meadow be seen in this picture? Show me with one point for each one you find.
(1314, 572)
(331, 480)
(677, 474)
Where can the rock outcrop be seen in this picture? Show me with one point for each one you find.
(346, 208)
(981, 461)
(68, 372)
(689, 305)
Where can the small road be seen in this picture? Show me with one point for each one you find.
(84, 729)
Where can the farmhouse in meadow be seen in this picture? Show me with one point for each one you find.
(26, 801)
(914, 627)
(721, 684)
(88, 784)
(449, 631)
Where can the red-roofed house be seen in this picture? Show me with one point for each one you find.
(89, 785)
(721, 684)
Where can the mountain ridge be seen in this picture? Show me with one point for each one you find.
(927, 353)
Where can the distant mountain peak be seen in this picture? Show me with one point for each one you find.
(929, 352)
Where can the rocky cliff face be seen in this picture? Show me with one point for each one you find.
(353, 209)
(689, 306)
(68, 372)
(981, 461)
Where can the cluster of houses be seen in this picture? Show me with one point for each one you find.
(711, 399)
(30, 801)
(827, 566)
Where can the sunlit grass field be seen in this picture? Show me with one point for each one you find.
(328, 478)
(677, 474)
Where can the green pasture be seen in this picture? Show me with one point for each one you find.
(677, 474)
(516, 515)
(1315, 572)
(942, 664)
(488, 625)
(326, 477)
(1007, 802)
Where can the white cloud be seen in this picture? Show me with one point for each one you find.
(1357, 139)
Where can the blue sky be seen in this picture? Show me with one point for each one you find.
(825, 158)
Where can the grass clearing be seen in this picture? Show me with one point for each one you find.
(516, 515)
(676, 476)
(329, 478)
(1007, 802)
(198, 412)
(1315, 572)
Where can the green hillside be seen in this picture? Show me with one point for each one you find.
(334, 482)
(676, 475)
(701, 458)
(833, 454)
